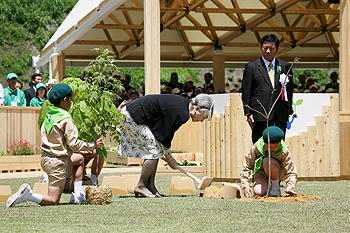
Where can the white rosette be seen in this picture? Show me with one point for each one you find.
(284, 80)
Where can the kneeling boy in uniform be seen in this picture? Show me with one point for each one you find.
(282, 166)
(59, 137)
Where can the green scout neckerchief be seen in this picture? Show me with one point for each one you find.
(53, 116)
(260, 146)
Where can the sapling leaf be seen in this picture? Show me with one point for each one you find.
(299, 102)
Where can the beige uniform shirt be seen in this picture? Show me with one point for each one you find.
(63, 139)
(289, 172)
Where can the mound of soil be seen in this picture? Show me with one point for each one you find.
(298, 198)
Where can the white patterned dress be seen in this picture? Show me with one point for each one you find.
(138, 141)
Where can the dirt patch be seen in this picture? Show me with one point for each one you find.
(298, 198)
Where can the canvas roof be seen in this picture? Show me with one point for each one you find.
(192, 30)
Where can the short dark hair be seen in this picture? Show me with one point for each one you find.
(270, 38)
(208, 74)
(45, 95)
(36, 74)
(174, 73)
(20, 83)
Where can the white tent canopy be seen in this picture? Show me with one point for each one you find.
(192, 30)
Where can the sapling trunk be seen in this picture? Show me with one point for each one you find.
(98, 150)
(267, 116)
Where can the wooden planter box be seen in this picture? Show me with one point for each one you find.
(20, 163)
(113, 157)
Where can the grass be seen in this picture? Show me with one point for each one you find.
(185, 213)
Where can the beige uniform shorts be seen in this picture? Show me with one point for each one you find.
(56, 168)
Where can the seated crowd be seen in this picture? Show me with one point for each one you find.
(35, 95)
(308, 85)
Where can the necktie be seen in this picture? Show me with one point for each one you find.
(272, 75)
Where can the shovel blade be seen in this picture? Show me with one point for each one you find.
(205, 182)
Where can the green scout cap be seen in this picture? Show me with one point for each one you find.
(276, 134)
(58, 92)
(40, 85)
(11, 76)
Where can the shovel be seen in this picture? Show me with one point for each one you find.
(202, 183)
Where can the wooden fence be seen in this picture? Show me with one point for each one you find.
(227, 139)
(20, 123)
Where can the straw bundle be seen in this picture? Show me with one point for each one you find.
(99, 195)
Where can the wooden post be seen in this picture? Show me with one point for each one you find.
(58, 67)
(344, 72)
(219, 70)
(152, 46)
(344, 61)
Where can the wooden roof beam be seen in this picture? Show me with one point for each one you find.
(182, 14)
(249, 25)
(116, 20)
(312, 17)
(210, 24)
(330, 38)
(170, 43)
(329, 35)
(130, 22)
(333, 18)
(236, 10)
(184, 38)
(308, 38)
(282, 33)
(222, 6)
(266, 3)
(137, 3)
(304, 23)
(286, 22)
(199, 26)
(127, 51)
(240, 15)
(109, 38)
(172, 14)
(207, 58)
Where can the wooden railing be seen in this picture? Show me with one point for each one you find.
(315, 152)
(225, 140)
(20, 123)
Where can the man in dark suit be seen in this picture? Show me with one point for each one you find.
(261, 83)
(30, 92)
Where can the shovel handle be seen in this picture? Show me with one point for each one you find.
(189, 174)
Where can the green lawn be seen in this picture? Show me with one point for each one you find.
(185, 213)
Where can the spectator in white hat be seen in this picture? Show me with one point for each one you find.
(51, 83)
(188, 87)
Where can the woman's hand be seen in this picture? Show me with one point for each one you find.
(250, 120)
(171, 161)
(248, 192)
(122, 104)
(291, 192)
(99, 143)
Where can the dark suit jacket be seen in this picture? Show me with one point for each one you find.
(163, 114)
(30, 94)
(256, 85)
